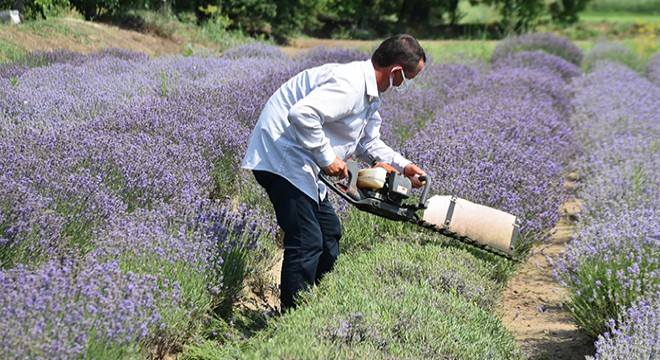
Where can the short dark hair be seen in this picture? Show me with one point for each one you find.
(400, 49)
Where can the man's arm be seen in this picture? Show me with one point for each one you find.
(329, 102)
(371, 146)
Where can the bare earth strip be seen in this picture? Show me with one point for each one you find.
(85, 37)
(531, 304)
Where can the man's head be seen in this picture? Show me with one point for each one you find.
(396, 57)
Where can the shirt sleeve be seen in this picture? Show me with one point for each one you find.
(333, 100)
(371, 145)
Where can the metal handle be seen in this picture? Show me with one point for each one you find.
(425, 192)
(350, 191)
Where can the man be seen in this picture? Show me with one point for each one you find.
(312, 123)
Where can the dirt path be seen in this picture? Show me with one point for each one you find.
(298, 45)
(531, 302)
(85, 37)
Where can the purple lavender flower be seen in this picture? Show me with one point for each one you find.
(111, 161)
(321, 55)
(549, 43)
(607, 51)
(59, 310)
(539, 60)
(653, 69)
(611, 263)
(635, 334)
(254, 50)
(502, 139)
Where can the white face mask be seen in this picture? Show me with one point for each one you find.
(404, 84)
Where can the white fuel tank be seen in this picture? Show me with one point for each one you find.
(372, 178)
(482, 224)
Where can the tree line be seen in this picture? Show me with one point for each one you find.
(361, 19)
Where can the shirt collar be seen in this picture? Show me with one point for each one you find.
(370, 79)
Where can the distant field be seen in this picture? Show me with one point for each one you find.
(613, 11)
(618, 17)
(453, 49)
(628, 6)
(634, 23)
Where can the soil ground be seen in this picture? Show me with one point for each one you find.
(531, 303)
(85, 37)
(531, 306)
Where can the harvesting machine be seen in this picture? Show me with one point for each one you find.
(382, 191)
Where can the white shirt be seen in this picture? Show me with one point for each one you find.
(323, 112)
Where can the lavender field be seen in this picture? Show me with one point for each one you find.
(128, 230)
(612, 268)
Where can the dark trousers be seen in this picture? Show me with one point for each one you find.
(311, 235)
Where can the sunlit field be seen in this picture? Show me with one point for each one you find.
(128, 230)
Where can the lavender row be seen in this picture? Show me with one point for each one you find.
(612, 263)
(110, 168)
(548, 43)
(634, 334)
(653, 69)
(607, 51)
(502, 138)
(153, 275)
(108, 162)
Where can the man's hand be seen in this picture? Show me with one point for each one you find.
(412, 172)
(337, 168)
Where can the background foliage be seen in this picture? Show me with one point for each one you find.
(334, 18)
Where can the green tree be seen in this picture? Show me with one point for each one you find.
(91, 9)
(34, 9)
(250, 16)
(366, 19)
(352, 18)
(294, 16)
(422, 17)
(518, 16)
(567, 11)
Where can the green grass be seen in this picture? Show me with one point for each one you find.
(631, 6)
(100, 348)
(618, 17)
(611, 11)
(398, 300)
(459, 50)
(49, 27)
(9, 51)
(205, 38)
(209, 35)
(359, 227)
